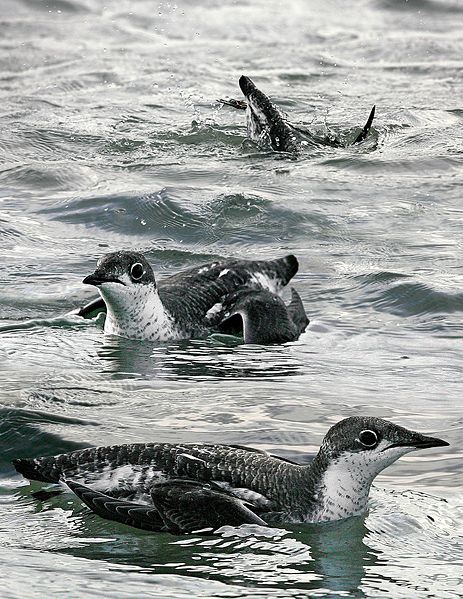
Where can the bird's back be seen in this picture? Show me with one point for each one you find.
(189, 295)
(133, 469)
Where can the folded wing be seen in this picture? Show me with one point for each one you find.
(178, 506)
(261, 317)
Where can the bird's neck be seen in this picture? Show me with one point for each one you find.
(339, 490)
(138, 316)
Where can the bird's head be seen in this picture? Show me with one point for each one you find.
(367, 445)
(122, 277)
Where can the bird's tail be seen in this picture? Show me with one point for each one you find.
(41, 469)
(297, 312)
(366, 129)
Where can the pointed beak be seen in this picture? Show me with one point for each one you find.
(419, 441)
(98, 278)
(426, 442)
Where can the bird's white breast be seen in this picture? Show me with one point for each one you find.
(138, 313)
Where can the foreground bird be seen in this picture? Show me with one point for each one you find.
(268, 126)
(190, 487)
(231, 296)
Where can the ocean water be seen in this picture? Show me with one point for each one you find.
(112, 138)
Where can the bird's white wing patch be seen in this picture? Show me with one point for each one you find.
(190, 457)
(216, 308)
(262, 280)
(206, 268)
(124, 477)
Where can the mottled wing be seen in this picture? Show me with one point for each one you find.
(92, 462)
(144, 460)
(133, 514)
(189, 295)
(186, 506)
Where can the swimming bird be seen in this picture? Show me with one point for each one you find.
(230, 296)
(185, 487)
(267, 125)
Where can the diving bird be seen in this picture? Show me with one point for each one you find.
(231, 296)
(269, 126)
(185, 487)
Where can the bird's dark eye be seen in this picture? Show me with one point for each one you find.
(368, 438)
(137, 271)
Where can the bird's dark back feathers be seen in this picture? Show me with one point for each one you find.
(189, 295)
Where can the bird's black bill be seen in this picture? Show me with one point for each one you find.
(430, 442)
(98, 279)
(420, 442)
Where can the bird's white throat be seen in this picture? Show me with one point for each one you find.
(345, 484)
(136, 312)
(343, 492)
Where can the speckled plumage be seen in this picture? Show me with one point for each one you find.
(265, 121)
(200, 300)
(111, 480)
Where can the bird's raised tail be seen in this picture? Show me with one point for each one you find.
(281, 270)
(297, 312)
(366, 129)
(262, 317)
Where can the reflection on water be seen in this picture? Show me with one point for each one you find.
(22, 435)
(308, 557)
(341, 555)
(342, 558)
(207, 359)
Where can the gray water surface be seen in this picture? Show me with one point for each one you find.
(111, 138)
